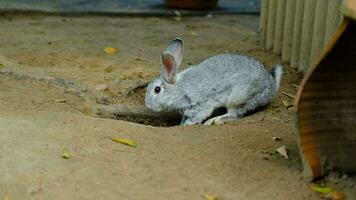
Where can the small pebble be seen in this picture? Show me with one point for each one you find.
(101, 87)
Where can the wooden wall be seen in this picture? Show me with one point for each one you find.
(298, 30)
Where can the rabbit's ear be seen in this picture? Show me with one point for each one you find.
(169, 71)
(175, 48)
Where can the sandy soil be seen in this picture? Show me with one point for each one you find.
(232, 161)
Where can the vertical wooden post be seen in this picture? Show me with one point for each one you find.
(307, 33)
(317, 46)
(297, 32)
(263, 21)
(332, 20)
(278, 35)
(288, 30)
(272, 8)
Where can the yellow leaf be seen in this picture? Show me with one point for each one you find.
(111, 50)
(322, 190)
(6, 197)
(125, 141)
(209, 197)
(66, 154)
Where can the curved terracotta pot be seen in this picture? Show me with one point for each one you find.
(326, 107)
(192, 4)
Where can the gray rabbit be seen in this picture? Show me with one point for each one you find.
(238, 83)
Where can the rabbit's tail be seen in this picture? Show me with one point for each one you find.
(277, 75)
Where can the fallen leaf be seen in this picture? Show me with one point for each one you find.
(193, 33)
(177, 13)
(328, 192)
(286, 103)
(321, 189)
(277, 138)
(101, 87)
(283, 151)
(288, 95)
(140, 59)
(178, 18)
(290, 108)
(209, 197)
(125, 141)
(66, 154)
(111, 50)
(109, 69)
(295, 85)
(60, 100)
(336, 196)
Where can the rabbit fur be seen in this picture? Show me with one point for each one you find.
(238, 83)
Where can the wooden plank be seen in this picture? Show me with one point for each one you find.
(317, 45)
(278, 36)
(297, 32)
(288, 30)
(271, 23)
(263, 21)
(332, 20)
(307, 33)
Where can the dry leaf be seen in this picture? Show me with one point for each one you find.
(177, 13)
(209, 197)
(101, 87)
(288, 95)
(336, 196)
(283, 151)
(109, 69)
(125, 141)
(277, 138)
(60, 100)
(290, 108)
(193, 33)
(111, 50)
(140, 59)
(286, 104)
(178, 18)
(295, 85)
(66, 154)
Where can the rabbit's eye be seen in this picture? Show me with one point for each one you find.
(157, 90)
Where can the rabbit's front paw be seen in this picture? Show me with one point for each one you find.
(189, 122)
(230, 116)
(214, 120)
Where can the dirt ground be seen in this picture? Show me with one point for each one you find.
(49, 58)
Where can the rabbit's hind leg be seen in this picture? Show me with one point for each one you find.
(237, 106)
(231, 115)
